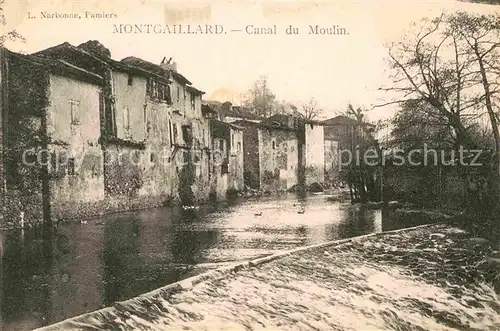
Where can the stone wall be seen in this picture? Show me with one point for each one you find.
(24, 132)
(251, 157)
(275, 164)
(76, 169)
(314, 154)
(236, 160)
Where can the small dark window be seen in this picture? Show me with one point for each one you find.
(175, 132)
(187, 135)
(168, 95)
(221, 145)
(225, 166)
(152, 157)
(71, 166)
(274, 144)
(130, 80)
(193, 101)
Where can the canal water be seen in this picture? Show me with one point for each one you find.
(47, 276)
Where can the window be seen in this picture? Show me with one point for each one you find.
(232, 140)
(175, 132)
(239, 147)
(225, 166)
(170, 131)
(178, 94)
(145, 116)
(221, 145)
(154, 89)
(168, 97)
(193, 101)
(187, 134)
(152, 158)
(130, 80)
(126, 118)
(71, 166)
(274, 144)
(75, 112)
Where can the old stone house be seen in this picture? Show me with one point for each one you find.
(52, 153)
(227, 166)
(179, 127)
(270, 156)
(282, 151)
(341, 133)
(128, 164)
(137, 135)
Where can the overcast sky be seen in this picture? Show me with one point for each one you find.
(335, 70)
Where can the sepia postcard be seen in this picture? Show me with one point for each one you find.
(249, 165)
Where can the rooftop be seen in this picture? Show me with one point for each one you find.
(343, 120)
(156, 68)
(60, 67)
(73, 53)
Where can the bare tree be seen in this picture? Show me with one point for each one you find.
(451, 67)
(261, 99)
(310, 110)
(10, 35)
(479, 37)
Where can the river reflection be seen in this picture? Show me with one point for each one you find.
(50, 275)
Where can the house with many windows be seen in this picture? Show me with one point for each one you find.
(121, 134)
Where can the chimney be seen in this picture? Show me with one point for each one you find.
(168, 64)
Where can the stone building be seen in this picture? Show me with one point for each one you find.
(53, 157)
(281, 152)
(128, 165)
(121, 135)
(270, 156)
(227, 167)
(156, 138)
(341, 133)
(314, 156)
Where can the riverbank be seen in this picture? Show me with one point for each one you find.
(427, 278)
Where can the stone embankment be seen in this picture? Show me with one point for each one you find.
(427, 278)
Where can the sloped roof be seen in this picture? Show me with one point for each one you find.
(66, 50)
(246, 123)
(239, 112)
(194, 90)
(155, 68)
(61, 67)
(344, 120)
(341, 119)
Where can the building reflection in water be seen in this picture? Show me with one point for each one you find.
(48, 276)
